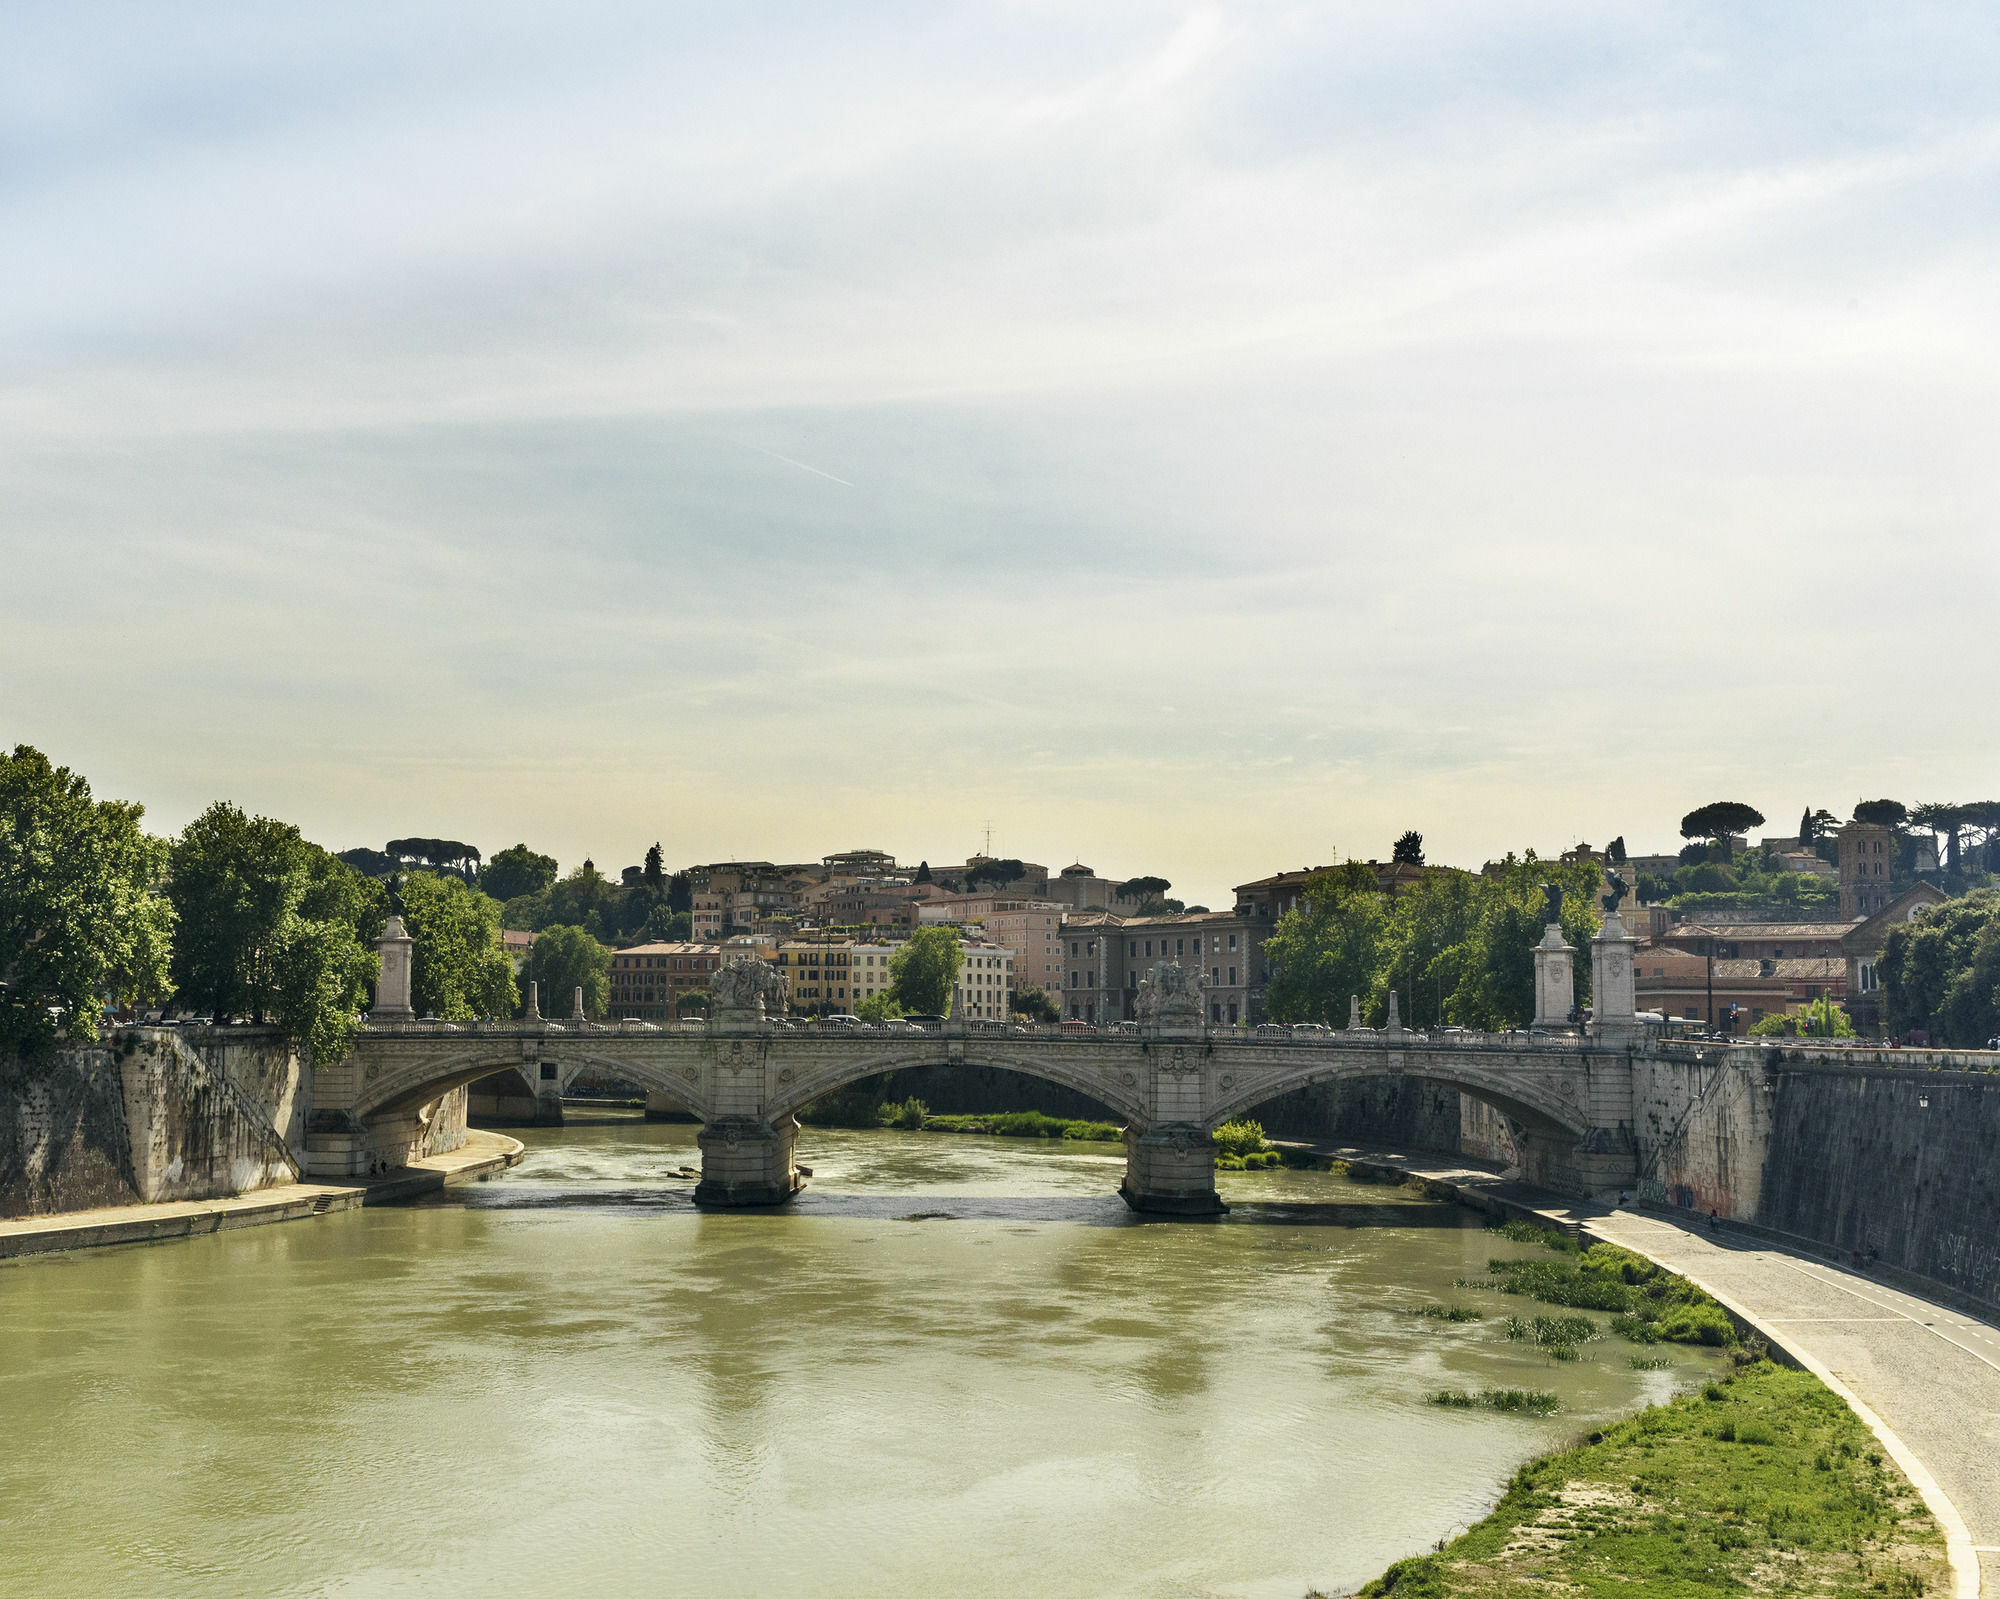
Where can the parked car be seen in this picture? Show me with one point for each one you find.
(1310, 1030)
(1078, 1027)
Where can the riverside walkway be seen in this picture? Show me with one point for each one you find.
(1925, 1377)
(187, 1218)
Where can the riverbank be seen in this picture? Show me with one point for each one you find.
(483, 1153)
(1764, 1480)
(1924, 1378)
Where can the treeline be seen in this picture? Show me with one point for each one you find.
(241, 916)
(1941, 973)
(1457, 948)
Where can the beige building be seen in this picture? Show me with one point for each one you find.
(831, 973)
(648, 980)
(1030, 929)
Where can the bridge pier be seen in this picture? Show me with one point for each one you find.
(747, 1162)
(1170, 1171)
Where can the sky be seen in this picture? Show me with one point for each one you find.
(1196, 440)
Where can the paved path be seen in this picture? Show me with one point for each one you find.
(1927, 1378)
(1930, 1374)
(128, 1224)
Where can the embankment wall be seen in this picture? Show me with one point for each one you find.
(1898, 1165)
(147, 1116)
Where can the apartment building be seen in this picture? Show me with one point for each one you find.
(648, 980)
(1106, 957)
(1031, 929)
(836, 971)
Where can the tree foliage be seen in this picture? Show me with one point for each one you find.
(80, 918)
(664, 926)
(1720, 818)
(924, 972)
(1941, 971)
(272, 927)
(1034, 1002)
(879, 1007)
(1142, 888)
(437, 855)
(1409, 849)
(515, 871)
(997, 873)
(1882, 812)
(653, 875)
(1458, 949)
(458, 971)
(563, 960)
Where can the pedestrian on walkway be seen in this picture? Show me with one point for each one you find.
(1714, 1226)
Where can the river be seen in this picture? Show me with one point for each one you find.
(954, 1367)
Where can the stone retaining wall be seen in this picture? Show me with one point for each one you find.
(149, 1116)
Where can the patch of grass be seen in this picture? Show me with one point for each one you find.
(1238, 1138)
(1652, 1306)
(1515, 1230)
(909, 1115)
(1521, 1401)
(1774, 1486)
(1259, 1161)
(1650, 1362)
(1449, 1313)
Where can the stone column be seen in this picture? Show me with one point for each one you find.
(392, 990)
(1170, 1171)
(1613, 984)
(1555, 978)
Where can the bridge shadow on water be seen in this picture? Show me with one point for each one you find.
(1107, 1210)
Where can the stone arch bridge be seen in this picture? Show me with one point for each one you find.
(1567, 1099)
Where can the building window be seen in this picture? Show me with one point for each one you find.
(1232, 984)
(1232, 940)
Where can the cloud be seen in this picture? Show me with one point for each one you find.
(794, 423)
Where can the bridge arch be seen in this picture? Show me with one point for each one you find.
(1517, 1099)
(401, 1090)
(1107, 1086)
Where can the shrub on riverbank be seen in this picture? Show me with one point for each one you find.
(1026, 1124)
(1651, 1306)
(1776, 1485)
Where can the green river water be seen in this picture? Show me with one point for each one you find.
(955, 1367)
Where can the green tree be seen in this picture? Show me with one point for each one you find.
(1409, 849)
(653, 874)
(1424, 946)
(563, 960)
(680, 892)
(997, 873)
(664, 926)
(1142, 889)
(517, 871)
(1328, 948)
(877, 1008)
(273, 927)
(1615, 851)
(80, 918)
(692, 1000)
(923, 872)
(1717, 820)
(1032, 1001)
(923, 973)
(458, 969)
(1941, 971)
(1496, 964)
(1882, 812)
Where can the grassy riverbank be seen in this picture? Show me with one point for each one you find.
(1765, 1482)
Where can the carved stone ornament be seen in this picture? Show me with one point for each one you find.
(1181, 1142)
(1127, 1079)
(1180, 1065)
(785, 1077)
(691, 1073)
(733, 1138)
(374, 1070)
(749, 985)
(1229, 1079)
(1169, 993)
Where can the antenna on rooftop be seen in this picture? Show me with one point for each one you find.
(989, 839)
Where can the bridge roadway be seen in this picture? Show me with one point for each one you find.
(1568, 1100)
